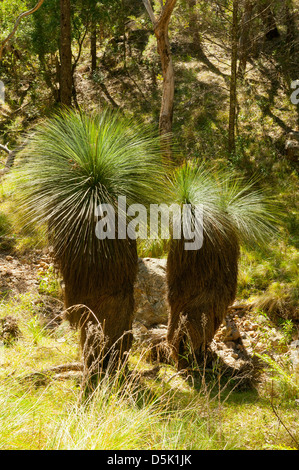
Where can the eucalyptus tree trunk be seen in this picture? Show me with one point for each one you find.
(233, 80)
(66, 79)
(93, 48)
(161, 25)
(166, 112)
(245, 43)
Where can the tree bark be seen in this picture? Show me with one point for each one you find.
(93, 47)
(193, 27)
(160, 25)
(233, 80)
(166, 112)
(65, 53)
(244, 43)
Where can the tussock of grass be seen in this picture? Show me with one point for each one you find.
(138, 412)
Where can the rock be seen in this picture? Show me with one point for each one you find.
(294, 356)
(151, 305)
(292, 145)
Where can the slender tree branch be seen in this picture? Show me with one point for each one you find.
(166, 12)
(150, 11)
(23, 15)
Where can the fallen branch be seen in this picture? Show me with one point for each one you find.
(5, 148)
(10, 158)
(296, 442)
(11, 155)
(40, 378)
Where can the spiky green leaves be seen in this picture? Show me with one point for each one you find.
(230, 203)
(77, 161)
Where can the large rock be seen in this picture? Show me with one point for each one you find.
(151, 306)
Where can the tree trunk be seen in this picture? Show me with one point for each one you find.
(65, 53)
(161, 32)
(245, 44)
(20, 17)
(233, 80)
(103, 307)
(193, 27)
(93, 47)
(166, 112)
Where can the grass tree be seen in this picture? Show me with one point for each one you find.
(202, 283)
(74, 164)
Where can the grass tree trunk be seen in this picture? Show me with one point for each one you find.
(66, 79)
(102, 308)
(166, 112)
(161, 25)
(201, 285)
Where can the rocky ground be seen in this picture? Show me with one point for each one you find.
(243, 332)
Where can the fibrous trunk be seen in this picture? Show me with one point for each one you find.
(102, 306)
(201, 286)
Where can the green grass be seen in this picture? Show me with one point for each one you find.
(166, 412)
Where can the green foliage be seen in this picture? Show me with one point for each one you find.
(284, 384)
(48, 283)
(75, 162)
(228, 200)
(45, 29)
